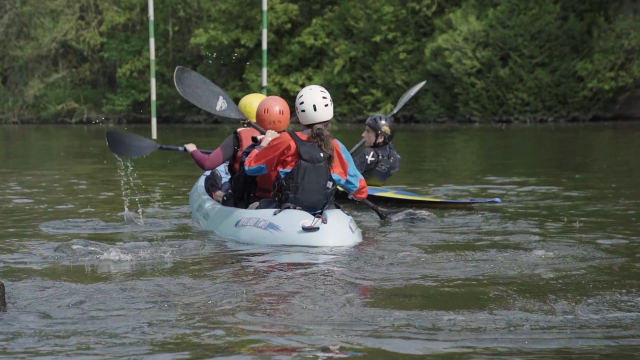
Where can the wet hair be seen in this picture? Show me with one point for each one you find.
(319, 136)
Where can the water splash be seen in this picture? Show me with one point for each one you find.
(412, 215)
(123, 257)
(131, 173)
(121, 173)
(127, 173)
(97, 226)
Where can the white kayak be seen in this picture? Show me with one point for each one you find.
(263, 227)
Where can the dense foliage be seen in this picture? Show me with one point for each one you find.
(79, 60)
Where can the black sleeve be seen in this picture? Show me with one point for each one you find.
(396, 166)
(365, 160)
(397, 159)
(228, 146)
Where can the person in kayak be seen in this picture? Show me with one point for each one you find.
(306, 165)
(271, 113)
(379, 160)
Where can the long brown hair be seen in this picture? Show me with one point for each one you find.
(319, 136)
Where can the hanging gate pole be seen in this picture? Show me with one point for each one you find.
(264, 47)
(152, 58)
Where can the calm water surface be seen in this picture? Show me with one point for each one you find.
(101, 260)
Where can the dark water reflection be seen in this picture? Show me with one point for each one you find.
(552, 271)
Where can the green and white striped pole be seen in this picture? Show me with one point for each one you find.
(152, 58)
(264, 47)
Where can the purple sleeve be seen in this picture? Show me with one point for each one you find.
(220, 155)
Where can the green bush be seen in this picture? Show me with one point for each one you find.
(63, 60)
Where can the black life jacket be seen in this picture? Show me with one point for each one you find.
(387, 164)
(309, 185)
(242, 186)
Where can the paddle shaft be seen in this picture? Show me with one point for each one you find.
(180, 148)
(383, 215)
(403, 100)
(250, 123)
(356, 147)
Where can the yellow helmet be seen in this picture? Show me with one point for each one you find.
(249, 105)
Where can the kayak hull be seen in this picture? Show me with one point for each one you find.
(265, 228)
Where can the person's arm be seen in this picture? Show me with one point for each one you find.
(345, 173)
(398, 162)
(219, 156)
(397, 157)
(265, 159)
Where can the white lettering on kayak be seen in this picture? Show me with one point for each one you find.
(259, 223)
(353, 226)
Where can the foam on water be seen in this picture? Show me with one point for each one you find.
(97, 226)
(415, 215)
(79, 250)
(22, 201)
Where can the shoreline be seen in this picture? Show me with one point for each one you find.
(400, 119)
(336, 125)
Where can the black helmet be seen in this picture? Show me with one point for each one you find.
(381, 126)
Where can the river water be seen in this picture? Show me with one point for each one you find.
(101, 260)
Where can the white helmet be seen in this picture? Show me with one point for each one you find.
(314, 105)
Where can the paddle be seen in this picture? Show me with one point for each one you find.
(403, 100)
(208, 96)
(381, 213)
(132, 145)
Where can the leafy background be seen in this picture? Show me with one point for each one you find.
(492, 60)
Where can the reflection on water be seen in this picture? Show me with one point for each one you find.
(553, 270)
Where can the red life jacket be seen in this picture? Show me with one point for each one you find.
(243, 135)
(244, 139)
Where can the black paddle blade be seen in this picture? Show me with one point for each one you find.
(408, 95)
(131, 145)
(204, 94)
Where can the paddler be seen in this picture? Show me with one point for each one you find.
(310, 184)
(270, 113)
(379, 159)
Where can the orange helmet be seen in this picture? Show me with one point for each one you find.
(273, 114)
